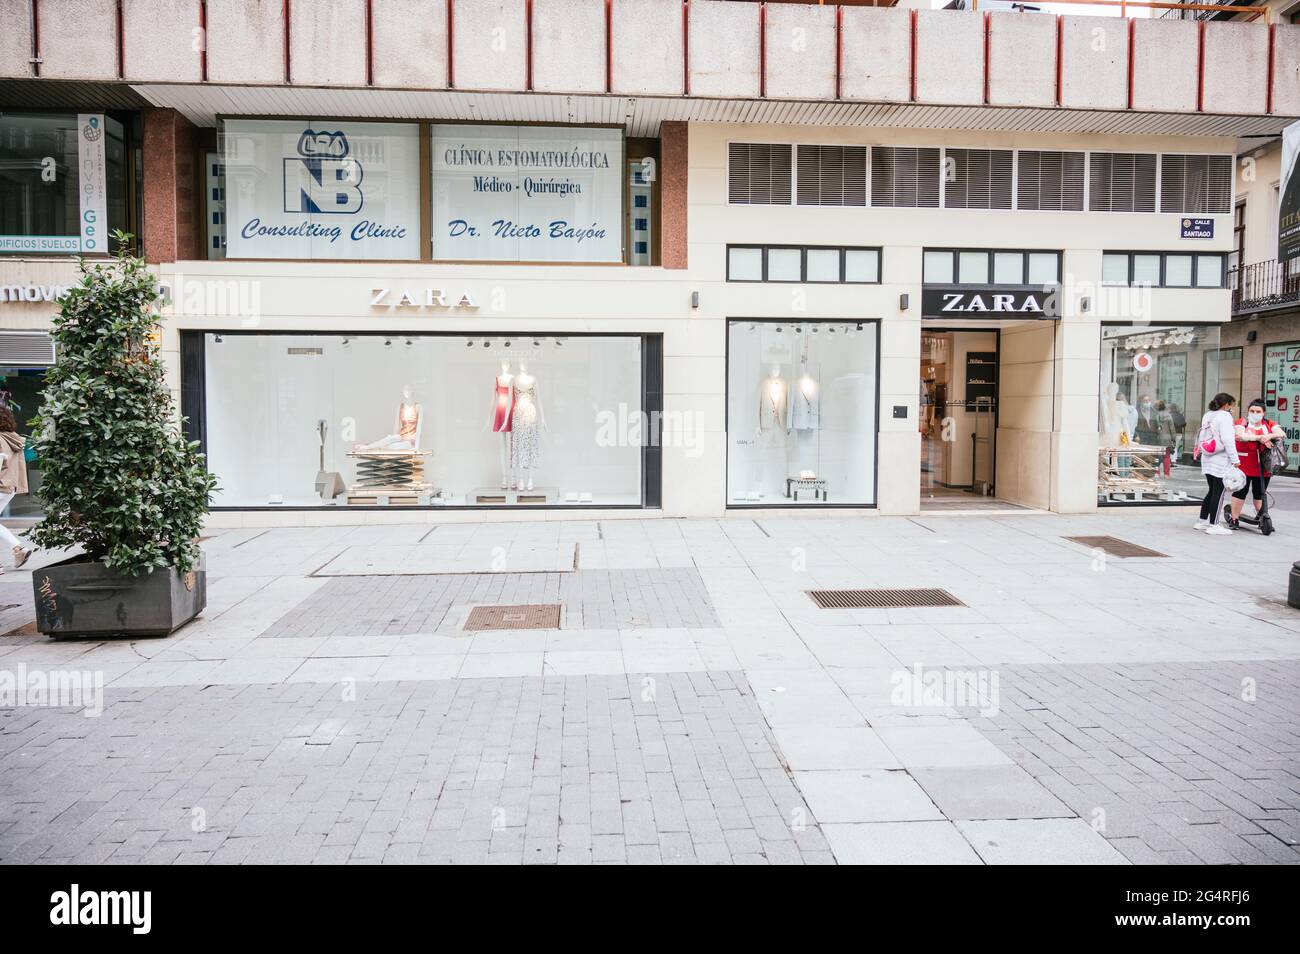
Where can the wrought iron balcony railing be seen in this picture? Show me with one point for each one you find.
(1263, 285)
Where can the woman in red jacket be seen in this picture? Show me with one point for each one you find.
(1255, 435)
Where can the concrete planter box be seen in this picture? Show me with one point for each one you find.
(81, 597)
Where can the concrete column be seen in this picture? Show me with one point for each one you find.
(673, 138)
(170, 230)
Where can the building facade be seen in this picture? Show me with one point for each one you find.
(440, 259)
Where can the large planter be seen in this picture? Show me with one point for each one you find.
(81, 597)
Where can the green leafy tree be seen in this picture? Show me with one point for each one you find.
(119, 479)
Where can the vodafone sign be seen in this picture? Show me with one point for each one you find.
(1142, 362)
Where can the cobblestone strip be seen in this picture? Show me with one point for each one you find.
(1171, 762)
(674, 768)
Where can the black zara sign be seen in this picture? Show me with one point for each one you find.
(981, 301)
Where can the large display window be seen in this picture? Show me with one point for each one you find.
(801, 413)
(423, 420)
(1156, 381)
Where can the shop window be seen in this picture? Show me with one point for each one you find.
(425, 420)
(801, 413)
(939, 268)
(973, 268)
(1156, 382)
(63, 182)
(1008, 268)
(22, 388)
(783, 263)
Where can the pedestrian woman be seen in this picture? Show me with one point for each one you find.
(1216, 443)
(1255, 435)
(13, 478)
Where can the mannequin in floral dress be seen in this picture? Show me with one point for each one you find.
(525, 445)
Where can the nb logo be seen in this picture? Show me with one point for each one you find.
(322, 179)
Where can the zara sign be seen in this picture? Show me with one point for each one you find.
(982, 301)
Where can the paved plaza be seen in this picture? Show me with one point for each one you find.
(693, 704)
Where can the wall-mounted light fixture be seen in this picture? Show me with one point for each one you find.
(695, 299)
(904, 301)
(1085, 303)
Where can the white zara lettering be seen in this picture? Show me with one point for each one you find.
(960, 301)
(75, 907)
(393, 298)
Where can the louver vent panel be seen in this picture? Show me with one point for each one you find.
(832, 175)
(977, 179)
(26, 348)
(1049, 181)
(904, 177)
(1191, 184)
(759, 173)
(1122, 182)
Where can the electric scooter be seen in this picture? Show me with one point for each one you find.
(1261, 520)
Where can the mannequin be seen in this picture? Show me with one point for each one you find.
(408, 427)
(527, 423)
(501, 420)
(804, 417)
(773, 415)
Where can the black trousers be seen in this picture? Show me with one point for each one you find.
(1255, 485)
(1210, 505)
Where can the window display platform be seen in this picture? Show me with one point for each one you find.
(1141, 473)
(488, 496)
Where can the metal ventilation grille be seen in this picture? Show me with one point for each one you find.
(832, 175)
(977, 179)
(759, 173)
(1115, 547)
(882, 599)
(26, 347)
(1049, 181)
(1122, 182)
(904, 177)
(529, 616)
(1191, 184)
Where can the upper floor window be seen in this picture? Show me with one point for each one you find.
(977, 179)
(905, 177)
(963, 266)
(814, 264)
(1049, 181)
(1163, 269)
(832, 175)
(63, 182)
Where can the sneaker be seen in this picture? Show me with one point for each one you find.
(1200, 524)
(1216, 530)
(21, 555)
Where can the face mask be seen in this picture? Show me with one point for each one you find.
(1255, 417)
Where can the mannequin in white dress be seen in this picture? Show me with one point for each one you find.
(1114, 416)
(501, 420)
(408, 429)
(529, 421)
(773, 423)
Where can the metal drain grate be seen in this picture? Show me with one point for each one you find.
(1115, 547)
(534, 616)
(882, 599)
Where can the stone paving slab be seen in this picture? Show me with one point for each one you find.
(1176, 762)
(673, 768)
(591, 599)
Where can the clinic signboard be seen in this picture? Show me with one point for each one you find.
(527, 193)
(321, 189)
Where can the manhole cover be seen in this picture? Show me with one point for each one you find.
(1115, 547)
(534, 616)
(882, 599)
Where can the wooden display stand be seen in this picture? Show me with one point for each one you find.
(390, 478)
(1130, 469)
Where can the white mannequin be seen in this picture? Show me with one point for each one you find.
(501, 426)
(803, 417)
(773, 413)
(407, 428)
(1114, 416)
(529, 422)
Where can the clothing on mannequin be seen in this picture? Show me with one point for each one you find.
(501, 420)
(805, 413)
(773, 402)
(407, 429)
(527, 423)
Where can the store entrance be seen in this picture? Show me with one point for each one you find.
(958, 417)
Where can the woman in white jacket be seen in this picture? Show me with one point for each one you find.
(1216, 429)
